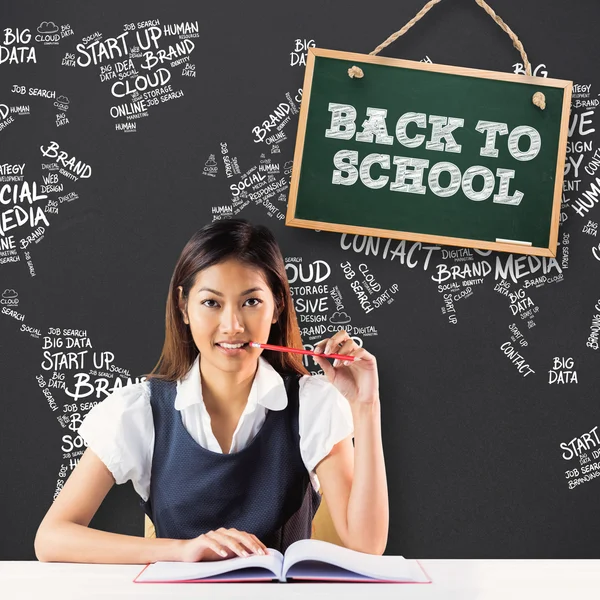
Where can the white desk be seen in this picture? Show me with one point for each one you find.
(452, 580)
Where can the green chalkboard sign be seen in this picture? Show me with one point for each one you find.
(431, 153)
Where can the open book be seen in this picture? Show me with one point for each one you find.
(309, 559)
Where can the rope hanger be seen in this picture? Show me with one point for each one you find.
(538, 98)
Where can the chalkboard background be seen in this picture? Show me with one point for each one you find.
(488, 361)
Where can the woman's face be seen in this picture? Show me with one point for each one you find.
(229, 302)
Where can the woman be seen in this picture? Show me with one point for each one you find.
(227, 445)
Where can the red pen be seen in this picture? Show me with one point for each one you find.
(297, 351)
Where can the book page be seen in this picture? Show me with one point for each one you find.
(389, 568)
(316, 570)
(255, 566)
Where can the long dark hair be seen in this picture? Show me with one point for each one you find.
(217, 242)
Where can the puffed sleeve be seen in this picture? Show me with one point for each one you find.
(325, 418)
(120, 431)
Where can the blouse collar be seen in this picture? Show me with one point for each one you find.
(268, 388)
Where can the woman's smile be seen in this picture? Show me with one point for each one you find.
(232, 349)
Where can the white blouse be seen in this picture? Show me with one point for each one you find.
(120, 429)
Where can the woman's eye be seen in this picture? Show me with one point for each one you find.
(205, 301)
(255, 302)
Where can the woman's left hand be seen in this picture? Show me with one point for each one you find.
(358, 380)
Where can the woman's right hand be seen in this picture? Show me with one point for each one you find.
(221, 544)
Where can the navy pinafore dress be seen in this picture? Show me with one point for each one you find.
(263, 489)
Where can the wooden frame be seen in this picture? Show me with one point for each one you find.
(411, 236)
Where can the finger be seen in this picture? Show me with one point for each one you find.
(347, 347)
(249, 540)
(367, 360)
(336, 340)
(244, 538)
(213, 544)
(258, 542)
(364, 354)
(229, 542)
(325, 365)
(320, 345)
